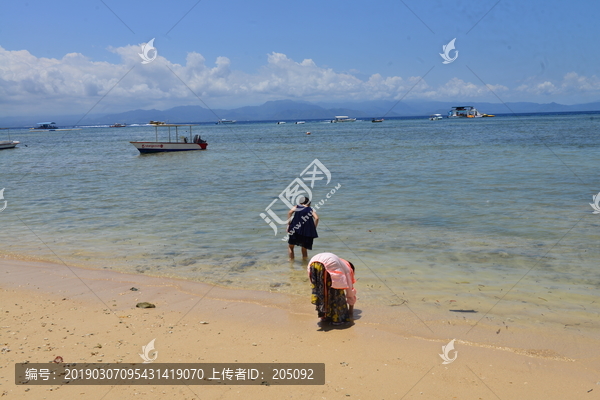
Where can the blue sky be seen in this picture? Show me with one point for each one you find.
(63, 56)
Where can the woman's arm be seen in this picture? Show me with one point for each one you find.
(315, 217)
(351, 296)
(289, 218)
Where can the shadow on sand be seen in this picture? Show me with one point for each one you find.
(326, 326)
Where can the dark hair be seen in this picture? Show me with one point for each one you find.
(305, 201)
(351, 266)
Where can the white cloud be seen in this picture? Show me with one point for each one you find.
(575, 82)
(73, 84)
(571, 84)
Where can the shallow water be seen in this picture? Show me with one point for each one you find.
(464, 214)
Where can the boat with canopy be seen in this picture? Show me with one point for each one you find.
(180, 143)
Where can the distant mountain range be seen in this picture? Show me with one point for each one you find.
(282, 110)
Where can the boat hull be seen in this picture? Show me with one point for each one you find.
(162, 147)
(10, 144)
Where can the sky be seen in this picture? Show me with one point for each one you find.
(70, 57)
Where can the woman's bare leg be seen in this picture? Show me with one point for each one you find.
(291, 251)
(304, 253)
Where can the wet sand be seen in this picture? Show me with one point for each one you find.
(49, 310)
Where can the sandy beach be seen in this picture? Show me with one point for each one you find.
(82, 315)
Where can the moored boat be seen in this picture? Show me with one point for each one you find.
(466, 112)
(182, 143)
(117, 125)
(377, 120)
(300, 122)
(343, 118)
(226, 121)
(8, 144)
(435, 117)
(48, 126)
(51, 127)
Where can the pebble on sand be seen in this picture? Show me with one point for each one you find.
(145, 305)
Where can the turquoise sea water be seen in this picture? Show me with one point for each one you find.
(463, 214)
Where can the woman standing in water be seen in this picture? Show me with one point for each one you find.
(302, 229)
(332, 281)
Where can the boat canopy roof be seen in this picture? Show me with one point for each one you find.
(46, 123)
(341, 116)
(462, 107)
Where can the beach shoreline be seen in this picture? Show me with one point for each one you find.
(53, 310)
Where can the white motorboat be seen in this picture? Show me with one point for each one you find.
(300, 122)
(343, 118)
(280, 122)
(435, 117)
(226, 121)
(8, 144)
(182, 143)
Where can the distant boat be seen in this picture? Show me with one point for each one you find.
(8, 144)
(117, 125)
(51, 126)
(435, 117)
(300, 122)
(466, 112)
(182, 143)
(343, 118)
(377, 120)
(226, 121)
(280, 123)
